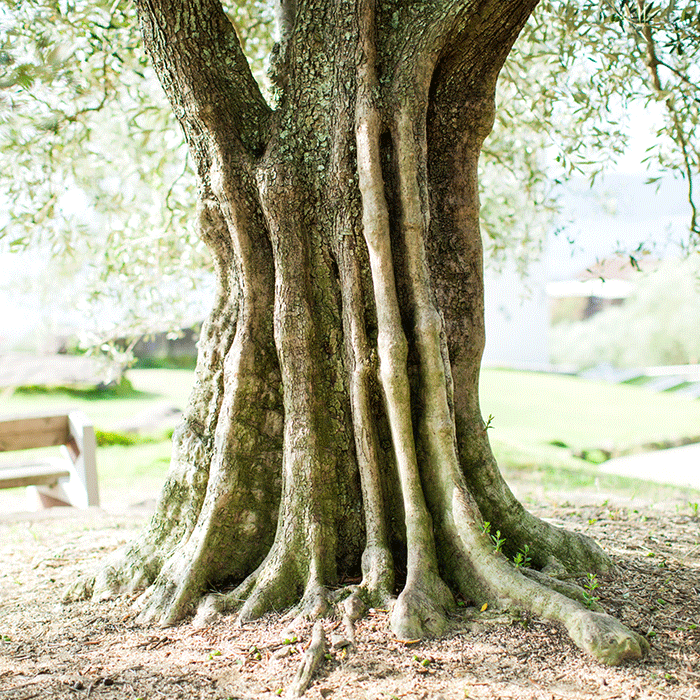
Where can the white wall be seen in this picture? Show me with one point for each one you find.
(517, 317)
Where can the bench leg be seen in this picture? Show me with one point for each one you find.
(80, 489)
(40, 497)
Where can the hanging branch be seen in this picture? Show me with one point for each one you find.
(653, 64)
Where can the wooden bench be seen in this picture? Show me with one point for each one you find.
(67, 480)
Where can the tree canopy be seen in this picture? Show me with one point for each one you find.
(96, 175)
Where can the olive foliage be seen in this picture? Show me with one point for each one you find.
(96, 176)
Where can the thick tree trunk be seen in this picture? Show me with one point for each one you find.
(335, 425)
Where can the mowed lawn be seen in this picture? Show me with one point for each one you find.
(150, 388)
(539, 422)
(539, 409)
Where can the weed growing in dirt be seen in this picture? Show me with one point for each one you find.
(588, 589)
(522, 559)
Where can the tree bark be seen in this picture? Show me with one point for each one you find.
(335, 424)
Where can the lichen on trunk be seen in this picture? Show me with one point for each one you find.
(334, 433)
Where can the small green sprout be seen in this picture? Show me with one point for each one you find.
(589, 587)
(423, 662)
(498, 541)
(523, 559)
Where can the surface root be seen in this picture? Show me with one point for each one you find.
(567, 588)
(422, 609)
(310, 662)
(606, 638)
(352, 609)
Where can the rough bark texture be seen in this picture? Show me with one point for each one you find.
(334, 430)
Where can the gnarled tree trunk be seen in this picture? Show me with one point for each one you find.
(335, 425)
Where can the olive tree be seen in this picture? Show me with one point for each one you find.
(334, 427)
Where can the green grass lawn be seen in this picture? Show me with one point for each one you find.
(538, 421)
(107, 408)
(533, 409)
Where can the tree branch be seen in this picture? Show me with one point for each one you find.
(202, 67)
(653, 64)
(490, 29)
(682, 77)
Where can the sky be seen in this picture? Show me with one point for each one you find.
(621, 211)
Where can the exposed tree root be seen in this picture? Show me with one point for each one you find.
(313, 605)
(178, 558)
(422, 609)
(311, 661)
(291, 577)
(570, 590)
(353, 610)
(605, 638)
(273, 586)
(137, 565)
(549, 546)
(507, 587)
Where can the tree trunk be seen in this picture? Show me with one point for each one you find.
(334, 428)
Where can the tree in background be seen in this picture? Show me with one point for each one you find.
(656, 325)
(334, 427)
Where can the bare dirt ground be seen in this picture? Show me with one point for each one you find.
(97, 650)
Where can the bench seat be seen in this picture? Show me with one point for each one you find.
(39, 474)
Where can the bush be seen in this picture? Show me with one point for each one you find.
(105, 438)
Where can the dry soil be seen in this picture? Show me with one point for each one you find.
(97, 650)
